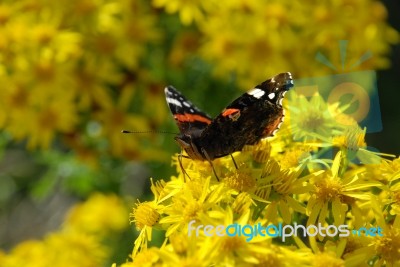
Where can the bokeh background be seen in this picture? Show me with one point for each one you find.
(73, 74)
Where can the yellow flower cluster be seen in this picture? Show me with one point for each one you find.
(81, 240)
(252, 38)
(81, 71)
(283, 180)
(72, 69)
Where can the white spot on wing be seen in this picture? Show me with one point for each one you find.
(271, 96)
(173, 101)
(167, 91)
(186, 104)
(257, 93)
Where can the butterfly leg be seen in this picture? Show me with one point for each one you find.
(180, 156)
(234, 162)
(209, 160)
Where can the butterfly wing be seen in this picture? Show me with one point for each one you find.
(254, 115)
(189, 118)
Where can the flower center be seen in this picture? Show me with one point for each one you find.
(388, 246)
(312, 121)
(143, 215)
(241, 181)
(328, 189)
(191, 210)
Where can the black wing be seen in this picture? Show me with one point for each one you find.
(188, 117)
(251, 117)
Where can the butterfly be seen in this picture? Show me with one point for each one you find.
(253, 116)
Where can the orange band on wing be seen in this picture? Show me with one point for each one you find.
(191, 118)
(229, 111)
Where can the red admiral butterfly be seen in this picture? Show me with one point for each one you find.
(254, 115)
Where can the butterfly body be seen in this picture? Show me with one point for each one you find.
(253, 116)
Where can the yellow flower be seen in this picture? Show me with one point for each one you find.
(388, 173)
(381, 250)
(258, 251)
(352, 138)
(42, 123)
(286, 186)
(261, 151)
(387, 247)
(352, 143)
(65, 65)
(148, 257)
(241, 180)
(81, 241)
(99, 215)
(194, 201)
(114, 117)
(145, 216)
(270, 31)
(332, 189)
(310, 120)
(193, 254)
(260, 191)
(82, 249)
(242, 203)
(189, 11)
(293, 157)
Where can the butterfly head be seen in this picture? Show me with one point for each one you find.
(186, 143)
